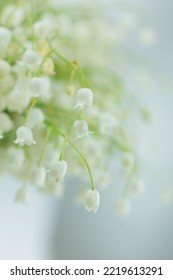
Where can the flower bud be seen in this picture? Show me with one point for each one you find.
(48, 67)
(5, 37)
(36, 118)
(24, 136)
(84, 98)
(81, 128)
(108, 123)
(38, 177)
(39, 87)
(92, 200)
(31, 59)
(59, 170)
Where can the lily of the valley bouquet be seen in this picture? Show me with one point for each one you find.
(63, 100)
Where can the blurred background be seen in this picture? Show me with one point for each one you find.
(49, 229)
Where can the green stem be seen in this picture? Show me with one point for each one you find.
(81, 76)
(62, 149)
(85, 161)
(44, 147)
(63, 58)
(33, 103)
(75, 148)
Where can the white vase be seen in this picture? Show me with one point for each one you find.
(26, 231)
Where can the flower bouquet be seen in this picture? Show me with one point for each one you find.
(64, 104)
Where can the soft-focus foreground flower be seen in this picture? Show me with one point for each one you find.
(24, 136)
(84, 98)
(38, 177)
(5, 37)
(39, 87)
(31, 59)
(92, 200)
(5, 124)
(81, 128)
(36, 118)
(59, 170)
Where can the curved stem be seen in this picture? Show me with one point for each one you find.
(85, 161)
(75, 148)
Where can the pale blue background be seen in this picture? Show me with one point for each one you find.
(46, 228)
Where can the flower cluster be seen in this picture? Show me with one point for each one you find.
(62, 99)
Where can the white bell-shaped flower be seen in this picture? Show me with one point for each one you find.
(15, 158)
(81, 128)
(43, 28)
(92, 200)
(18, 100)
(59, 170)
(24, 136)
(108, 123)
(84, 98)
(5, 37)
(39, 87)
(54, 187)
(13, 14)
(5, 68)
(138, 186)
(122, 206)
(36, 118)
(31, 59)
(38, 177)
(5, 124)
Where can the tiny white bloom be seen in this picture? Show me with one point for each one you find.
(84, 98)
(81, 128)
(122, 206)
(138, 186)
(24, 136)
(108, 123)
(92, 200)
(19, 98)
(13, 14)
(54, 187)
(43, 28)
(31, 59)
(5, 68)
(5, 124)
(51, 156)
(36, 118)
(17, 101)
(39, 87)
(15, 158)
(59, 170)
(38, 177)
(5, 37)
